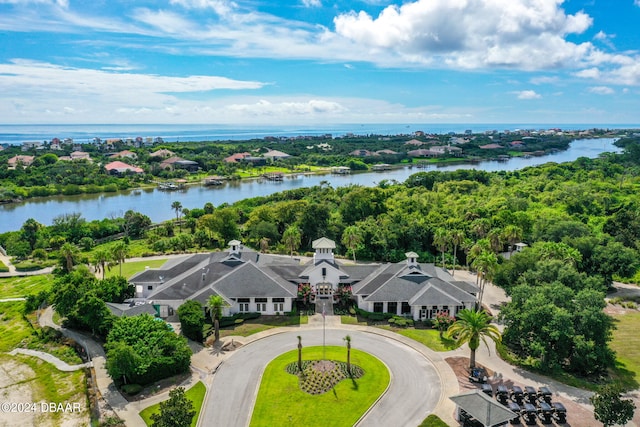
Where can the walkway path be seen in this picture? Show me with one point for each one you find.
(59, 364)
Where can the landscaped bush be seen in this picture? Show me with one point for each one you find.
(132, 389)
(400, 321)
(374, 317)
(3, 268)
(237, 319)
(433, 421)
(32, 266)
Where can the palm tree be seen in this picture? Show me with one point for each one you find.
(291, 238)
(119, 253)
(177, 206)
(299, 353)
(512, 234)
(351, 238)
(348, 341)
(457, 239)
(471, 327)
(215, 304)
(485, 264)
(100, 259)
(440, 240)
(68, 252)
(495, 238)
(264, 244)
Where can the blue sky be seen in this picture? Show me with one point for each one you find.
(319, 62)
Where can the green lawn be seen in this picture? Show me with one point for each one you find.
(13, 326)
(281, 402)
(195, 394)
(15, 287)
(428, 337)
(253, 326)
(626, 344)
(131, 268)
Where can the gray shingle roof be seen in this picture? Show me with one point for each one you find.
(128, 310)
(248, 280)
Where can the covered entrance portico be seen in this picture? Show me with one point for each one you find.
(324, 291)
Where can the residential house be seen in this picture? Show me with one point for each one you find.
(125, 154)
(237, 157)
(119, 168)
(76, 155)
(414, 142)
(386, 152)
(491, 146)
(362, 153)
(163, 153)
(249, 281)
(276, 155)
(173, 163)
(30, 145)
(20, 160)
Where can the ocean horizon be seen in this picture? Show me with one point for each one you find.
(84, 133)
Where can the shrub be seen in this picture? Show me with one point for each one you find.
(132, 389)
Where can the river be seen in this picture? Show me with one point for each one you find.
(157, 204)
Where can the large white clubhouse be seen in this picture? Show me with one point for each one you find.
(250, 281)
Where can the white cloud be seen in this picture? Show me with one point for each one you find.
(472, 33)
(311, 3)
(601, 90)
(310, 107)
(544, 80)
(636, 2)
(221, 7)
(528, 94)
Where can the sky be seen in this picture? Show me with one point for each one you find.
(312, 62)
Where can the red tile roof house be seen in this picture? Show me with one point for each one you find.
(235, 158)
(23, 160)
(125, 153)
(119, 168)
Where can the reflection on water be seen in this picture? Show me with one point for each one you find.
(157, 204)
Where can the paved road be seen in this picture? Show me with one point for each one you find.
(414, 391)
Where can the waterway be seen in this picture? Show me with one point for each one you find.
(157, 204)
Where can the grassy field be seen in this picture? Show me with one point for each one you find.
(253, 326)
(131, 268)
(626, 344)
(13, 326)
(195, 394)
(16, 287)
(281, 402)
(428, 337)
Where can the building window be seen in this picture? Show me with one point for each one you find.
(445, 310)
(392, 307)
(459, 308)
(278, 307)
(261, 304)
(150, 287)
(324, 271)
(406, 308)
(377, 307)
(244, 307)
(433, 312)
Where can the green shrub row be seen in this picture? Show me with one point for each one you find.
(375, 317)
(400, 321)
(237, 319)
(3, 268)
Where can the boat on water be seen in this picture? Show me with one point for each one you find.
(170, 186)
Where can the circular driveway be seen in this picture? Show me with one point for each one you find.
(414, 390)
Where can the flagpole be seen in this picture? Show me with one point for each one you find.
(324, 351)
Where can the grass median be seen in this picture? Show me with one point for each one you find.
(281, 401)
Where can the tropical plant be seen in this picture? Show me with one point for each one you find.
(441, 240)
(68, 252)
(347, 339)
(485, 264)
(119, 253)
(176, 412)
(351, 239)
(472, 327)
(100, 259)
(177, 206)
(457, 238)
(292, 238)
(215, 305)
(299, 353)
